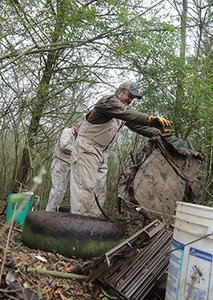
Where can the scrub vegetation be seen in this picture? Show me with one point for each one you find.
(59, 56)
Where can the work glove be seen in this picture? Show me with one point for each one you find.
(159, 122)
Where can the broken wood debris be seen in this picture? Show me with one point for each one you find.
(133, 267)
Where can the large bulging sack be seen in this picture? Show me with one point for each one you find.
(168, 170)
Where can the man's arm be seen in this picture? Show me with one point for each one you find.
(110, 107)
(143, 130)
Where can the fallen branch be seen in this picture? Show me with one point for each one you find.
(7, 244)
(58, 274)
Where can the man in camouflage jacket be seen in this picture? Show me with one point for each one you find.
(91, 148)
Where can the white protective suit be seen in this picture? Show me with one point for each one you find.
(89, 166)
(60, 168)
(91, 148)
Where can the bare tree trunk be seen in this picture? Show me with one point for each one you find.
(40, 102)
(180, 80)
(36, 116)
(183, 31)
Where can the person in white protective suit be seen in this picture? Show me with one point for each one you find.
(60, 167)
(90, 150)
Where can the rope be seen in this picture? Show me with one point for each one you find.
(142, 207)
(173, 165)
(201, 238)
(100, 208)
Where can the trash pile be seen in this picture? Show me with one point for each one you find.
(133, 267)
(167, 170)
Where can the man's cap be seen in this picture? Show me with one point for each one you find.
(131, 87)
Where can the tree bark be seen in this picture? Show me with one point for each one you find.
(37, 112)
(40, 102)
(178, 105)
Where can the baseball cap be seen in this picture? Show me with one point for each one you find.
(131, 87)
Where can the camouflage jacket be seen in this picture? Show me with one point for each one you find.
(110, 107)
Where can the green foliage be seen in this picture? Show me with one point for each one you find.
(61, 52)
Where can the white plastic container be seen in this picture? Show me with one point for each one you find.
(190, 275)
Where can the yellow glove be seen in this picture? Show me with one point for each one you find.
(158, 122)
